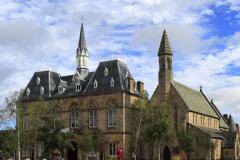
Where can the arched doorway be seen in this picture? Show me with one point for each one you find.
(166, 153)
(73, 153)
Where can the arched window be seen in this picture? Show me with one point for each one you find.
(79, 62)
(169, 64)
(57, 115)
(197, 141)
(176, 118)
(25, 122)
(86, 63)
(83, 62)
(111, 114)
(92, 116)
(163, 64)
(74, 116)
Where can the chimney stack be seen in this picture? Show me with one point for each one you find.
(131, 84)
(140, 85)
(226, 117)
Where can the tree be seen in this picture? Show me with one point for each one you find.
(86, 143)
(7, 142)
(137, 116)
(157, 130)
(186, 141)
(51, 135)
(206, 143)
(11, 120)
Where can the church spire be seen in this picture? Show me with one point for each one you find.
(165, 47)
(82, 40)
(82, 55)
(232, 124)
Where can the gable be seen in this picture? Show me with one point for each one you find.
(194, 100)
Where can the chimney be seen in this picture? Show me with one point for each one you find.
(226, 117)
(140, 85)
(131, 84)
(237, 125)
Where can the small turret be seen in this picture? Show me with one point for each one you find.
(232, 124)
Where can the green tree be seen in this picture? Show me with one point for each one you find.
(159, 125)
(86, 143)
(206, 143)
(137, 118)
(7, 142)
(186, 141)
(11, 120)
(51, 134)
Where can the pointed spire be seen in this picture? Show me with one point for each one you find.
(165, 47)
(232, 124)
(82, 40)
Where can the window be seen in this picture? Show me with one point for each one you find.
(83, 62)
(196, 118)
(126, 82)
(41, 90)
(78, 87)
(93, 116)
(57, 115)
(95, 83)
(112, 82)
(25, 151)
(92, 153)
(40, 149)
(105, 71)
(209, 122)
(111, 149)
(74, 117)
(38, 80)
(176, 118)
(60, 89)
(203, 120)
(25, 122)
(193, 117)
(112, 114)
(126, 73)
(226, 152)
(197, 141)
(27, 91)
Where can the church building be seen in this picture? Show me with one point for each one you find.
(103, 97)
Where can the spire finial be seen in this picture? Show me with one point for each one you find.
(82, 19)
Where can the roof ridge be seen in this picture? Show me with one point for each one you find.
(185, 85)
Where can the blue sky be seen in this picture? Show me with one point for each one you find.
(204, 35)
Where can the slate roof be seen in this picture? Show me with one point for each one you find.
(165, 47)
(48, 79)
(230, 139)
(232, 124)
(213, 132)
(223, 123)
(194, 100)
(82, 41)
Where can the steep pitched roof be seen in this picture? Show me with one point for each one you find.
(232, 124)
(230, 139)
(165, 47)
(194, 100)
(116, 71)
(213, 132)
(223, 123)
(82, 40)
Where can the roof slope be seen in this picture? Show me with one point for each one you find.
(194, 100)
(213, 132)
(230, 139)
(232, 124)
(222, 123)
(116, 71)
(165, 47)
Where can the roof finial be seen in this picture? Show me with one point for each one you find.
(82, 19)
(200, 88)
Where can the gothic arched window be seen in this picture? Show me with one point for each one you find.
(176, 118)
(92, 115)
(163, 64)
(112, 114)
(169, 64)
(74, 116)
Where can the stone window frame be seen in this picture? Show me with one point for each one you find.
(25, 120)
(105, 71)
(92, 106)
(196, 119)
(111, 110)
(209, 122)
(74, 116)
(28, 91)
(40, 149)
(92, 153)
(112, 148)
(25, 151)
(112, 82)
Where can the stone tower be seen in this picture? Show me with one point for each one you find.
(82, 55)
(165, 74)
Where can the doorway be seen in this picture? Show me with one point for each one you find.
(166, 153)
(73, 153)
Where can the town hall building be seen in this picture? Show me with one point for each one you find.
(102, 98)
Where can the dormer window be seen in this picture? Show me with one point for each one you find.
(106, 71)
(27, 91)
(38, 80)
(95, 83)
(135, 86)
(112, 82)
(41, 90)
(126, 82)
(78, 87)
(126, 73)
(60, 89)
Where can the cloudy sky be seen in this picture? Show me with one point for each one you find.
(204, 35)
